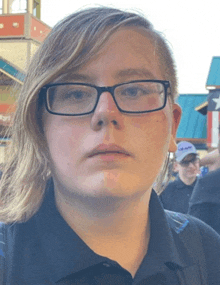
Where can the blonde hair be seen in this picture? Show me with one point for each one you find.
(71, 44)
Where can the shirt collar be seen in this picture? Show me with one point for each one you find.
(64, 249)
(162, 249)
(67, 253)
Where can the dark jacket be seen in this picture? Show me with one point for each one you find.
(205, 200)
(176, 196)
(45, 250)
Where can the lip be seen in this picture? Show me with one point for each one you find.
(104, 149)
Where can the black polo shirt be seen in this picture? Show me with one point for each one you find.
(45, 250)
(176, 196)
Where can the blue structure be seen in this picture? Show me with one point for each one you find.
(212, 84)
(214, 73)
(7, 68)
(193, 125)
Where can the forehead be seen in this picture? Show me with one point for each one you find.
(129, 51)
(129, 46)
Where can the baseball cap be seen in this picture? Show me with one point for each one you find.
(183, 149)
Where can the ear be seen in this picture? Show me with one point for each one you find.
(176, 120)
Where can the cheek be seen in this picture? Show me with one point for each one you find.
(63, 139)
(153, 132)
(197, 168)
(151, 137)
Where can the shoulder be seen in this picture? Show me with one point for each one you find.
(210, 242)
(171, 184)
(191, 229)
(206, 189)
(169, 193)
(199, 239)
(16, 234)
(211, 177)
(2, 242)
(2, 252)
(197, 246)
(180, 223)
(170, 187)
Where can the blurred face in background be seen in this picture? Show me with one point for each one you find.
(188, 168)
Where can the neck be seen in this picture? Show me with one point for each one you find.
(110, 226)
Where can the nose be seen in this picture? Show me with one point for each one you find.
(106, 113)
(192, 165)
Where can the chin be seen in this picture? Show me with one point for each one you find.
(114, 184)
(192, 176)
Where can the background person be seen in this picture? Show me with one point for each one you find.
(176, 195)
(205, 200)
(95, 115)
(211, 160)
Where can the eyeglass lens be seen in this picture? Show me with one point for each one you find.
(187, 162)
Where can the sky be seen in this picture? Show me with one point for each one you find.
(191, 27)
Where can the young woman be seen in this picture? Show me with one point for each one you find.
(95, 121)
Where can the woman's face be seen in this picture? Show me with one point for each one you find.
(109, 153)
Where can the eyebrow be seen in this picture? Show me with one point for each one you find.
(76, 77)
(124, 74)
(143, 72)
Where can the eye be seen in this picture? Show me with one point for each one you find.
(135, 91)
(76, 94)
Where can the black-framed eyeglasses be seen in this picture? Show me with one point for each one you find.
(186, 163)
(77, 99)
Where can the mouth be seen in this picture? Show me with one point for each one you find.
(108, 153)
(109, 150)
